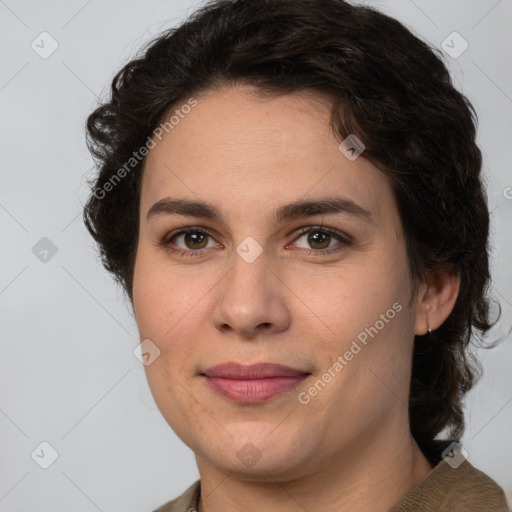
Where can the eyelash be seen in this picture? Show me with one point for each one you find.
(343, 238)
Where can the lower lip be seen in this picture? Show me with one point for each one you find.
(253, 391)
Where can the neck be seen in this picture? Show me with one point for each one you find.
(372, 475)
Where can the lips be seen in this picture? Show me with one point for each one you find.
(252, 383)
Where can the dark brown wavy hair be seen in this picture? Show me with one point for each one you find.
(387, 87)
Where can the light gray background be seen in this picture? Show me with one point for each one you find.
(68, 375)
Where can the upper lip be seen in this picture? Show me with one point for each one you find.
(232, 370)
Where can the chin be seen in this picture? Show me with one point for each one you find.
(258, 457)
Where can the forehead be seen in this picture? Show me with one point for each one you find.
(237, 121)
(250, 152)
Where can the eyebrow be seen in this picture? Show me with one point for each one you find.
(291, 211)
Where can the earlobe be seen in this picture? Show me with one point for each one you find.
(436, 300)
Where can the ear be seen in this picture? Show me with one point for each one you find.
(435, 301)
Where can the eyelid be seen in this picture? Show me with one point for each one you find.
(344, 241)
(166, 239)
(344, 237)
(187, 229)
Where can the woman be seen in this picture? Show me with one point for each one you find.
(290, 194)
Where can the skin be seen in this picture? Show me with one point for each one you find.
(350, 447)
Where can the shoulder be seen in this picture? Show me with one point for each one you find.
(474, 490)
(448, 489)
(183, 503)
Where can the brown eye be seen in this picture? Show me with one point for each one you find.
(196, 240)
(319, 240)
(189, 240)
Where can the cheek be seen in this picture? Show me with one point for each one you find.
(367, 319)
(166, 311)
(162, 292)
(161, 317)
(147, 304)
(153, 298)
(351, 298)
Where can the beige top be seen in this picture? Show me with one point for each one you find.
(444, 489)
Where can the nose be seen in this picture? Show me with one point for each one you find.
(251, 300)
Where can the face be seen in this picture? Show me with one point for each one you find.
(261, 242)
